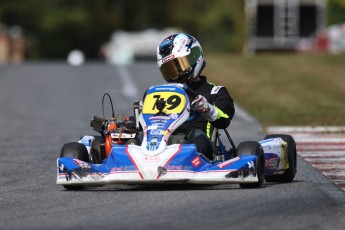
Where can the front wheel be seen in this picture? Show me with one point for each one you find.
(78, 151)
(253, 148)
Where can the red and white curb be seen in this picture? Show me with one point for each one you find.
(322, 147)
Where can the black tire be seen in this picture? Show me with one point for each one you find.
(253, 148)
(290, 173)
(96, 151)
(75, 150)
(78, 151)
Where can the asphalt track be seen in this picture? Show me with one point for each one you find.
(44, 105)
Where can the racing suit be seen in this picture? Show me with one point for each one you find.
(199, 130)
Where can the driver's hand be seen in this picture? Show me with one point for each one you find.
(208, 111)
(200, 104)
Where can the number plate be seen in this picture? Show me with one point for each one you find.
(175, 102)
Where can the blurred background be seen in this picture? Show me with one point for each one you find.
(283, 60)
(51, 29)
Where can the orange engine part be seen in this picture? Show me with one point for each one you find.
(108, 145)
(109, 140)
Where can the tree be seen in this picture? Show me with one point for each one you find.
(55, 27)
(336, 11)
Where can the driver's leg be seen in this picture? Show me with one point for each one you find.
(203, 144)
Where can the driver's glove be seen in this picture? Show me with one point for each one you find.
(201, 105)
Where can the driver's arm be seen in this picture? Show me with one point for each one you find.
(220, 112)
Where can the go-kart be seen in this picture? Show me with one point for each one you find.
(143, 149)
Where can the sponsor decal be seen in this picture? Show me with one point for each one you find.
(122, 169)
(196, 161)
(152, 145)
(159, 118)
(165, 132)
(166, 88)
(158, 124)
(179, 167)
(228, 162)
(116, 169)
(168, 58)
(271, 161)
(174, 167)
(156, 132)
(61, 167)
(251, 165)
(186, 167)
(81, 164)
(154, 127)
(189, 42)
(151, 158)
(183, 42)
(122, 135)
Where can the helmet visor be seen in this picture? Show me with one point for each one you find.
(175, 68)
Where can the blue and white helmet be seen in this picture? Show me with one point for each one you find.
(180, 58)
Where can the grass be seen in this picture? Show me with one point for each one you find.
(284, 89)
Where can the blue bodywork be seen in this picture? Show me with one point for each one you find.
(186, 159)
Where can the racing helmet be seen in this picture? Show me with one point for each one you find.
(180, 58)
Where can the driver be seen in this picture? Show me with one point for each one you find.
(180, 59)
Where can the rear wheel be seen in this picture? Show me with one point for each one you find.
(78, 151)
(290, 173)
(253, 148)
